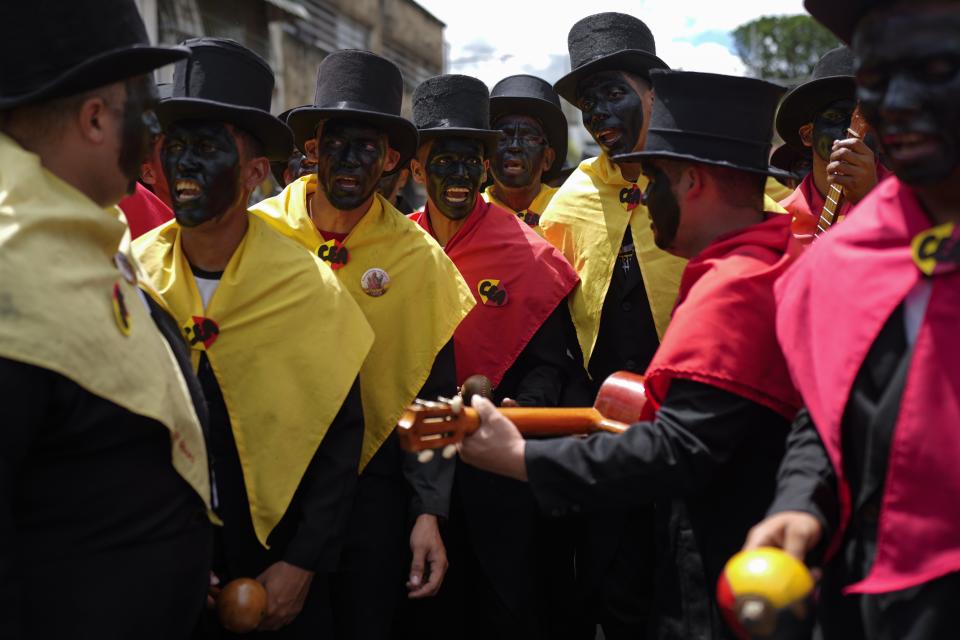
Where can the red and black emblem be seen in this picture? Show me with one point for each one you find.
(202, 334)
(631, 197)
(120, 312)
(334, 253)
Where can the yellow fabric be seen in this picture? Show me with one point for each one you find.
(57, 277)
(538, 206)
(775, 192)
(426, 299)
(586, 222)
(290, 346)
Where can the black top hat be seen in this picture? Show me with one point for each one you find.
(226, 82)
(732, 129)
(531, 96)
(53, 49)
(608, 42)
(361, 86)
(454, 106)
(832, 79)
(842, 17)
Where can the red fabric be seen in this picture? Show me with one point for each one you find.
(144, 211)
(330, 235)
(493, 244)
(827, 324)
(722, 331)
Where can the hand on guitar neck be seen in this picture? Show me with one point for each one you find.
(851, 172)
(430, 425)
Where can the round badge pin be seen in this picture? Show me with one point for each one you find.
(375, 282)
(122, 262)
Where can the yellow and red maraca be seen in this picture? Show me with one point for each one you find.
(766, 593)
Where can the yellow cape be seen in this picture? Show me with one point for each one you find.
(538, 206)
(57, 279)
(425, 301)
(290, 345)
(586, 222)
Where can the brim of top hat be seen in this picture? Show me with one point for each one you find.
(98, 71)
(401, 132)
(275, 137)
(489, 137)
(785, 155)
(632, 60)
(636, 156)
(548, 114)
(800, 105)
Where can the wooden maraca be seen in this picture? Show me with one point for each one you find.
(476, 385)
(766, 594)
(242, 605)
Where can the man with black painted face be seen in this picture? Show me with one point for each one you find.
(104, 480)
(815, 116)
(262, 318)
(504, 557)
(413, 297)
(531, 150)
(870, 475)
(719, 396)
(627, 287)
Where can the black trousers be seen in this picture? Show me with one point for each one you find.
(924, 612)
(153, 591)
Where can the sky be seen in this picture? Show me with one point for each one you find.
(530, 36)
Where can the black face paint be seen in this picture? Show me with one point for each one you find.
(908, 83)
(202, 165)
(454, 174)
(662, 205)
(612, 111)
(830, 124)
(139, 127)
(350, 158)
(299, 165)
(518, 159)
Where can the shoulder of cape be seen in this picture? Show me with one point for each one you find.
(285, 253)
(149, 249)
(578, 194)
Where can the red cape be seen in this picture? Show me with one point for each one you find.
(722, 331)
(144, 211)
(832, 308)
(517, 279)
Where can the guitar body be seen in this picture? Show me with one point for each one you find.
(433, 425)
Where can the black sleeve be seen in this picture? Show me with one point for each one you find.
(432, 482)
(327, 491)
(806, 480)
(538, 375)
(696, 431)
(26, 397)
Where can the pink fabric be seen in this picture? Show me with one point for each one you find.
(493, 244)
(144, 211)
(831, 309)
(722, 330)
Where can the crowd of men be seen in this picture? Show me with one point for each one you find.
(197, 390)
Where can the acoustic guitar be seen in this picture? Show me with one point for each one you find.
(428, 425)
(834, 199)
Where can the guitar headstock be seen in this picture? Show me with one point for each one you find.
(428, 425)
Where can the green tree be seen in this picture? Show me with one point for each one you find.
(782, 48)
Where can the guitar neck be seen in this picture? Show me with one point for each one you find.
(550, 422)
(831, 205)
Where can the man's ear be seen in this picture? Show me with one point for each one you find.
(486, 170)
(692, 181)
(548, 157)
(255, 171)
(147, 174)
(310, 149)
(93, 118)
(806, 134)
(419, 173)
(392, 160)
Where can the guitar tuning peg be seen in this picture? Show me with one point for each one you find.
(425, 456)
(449, 451)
